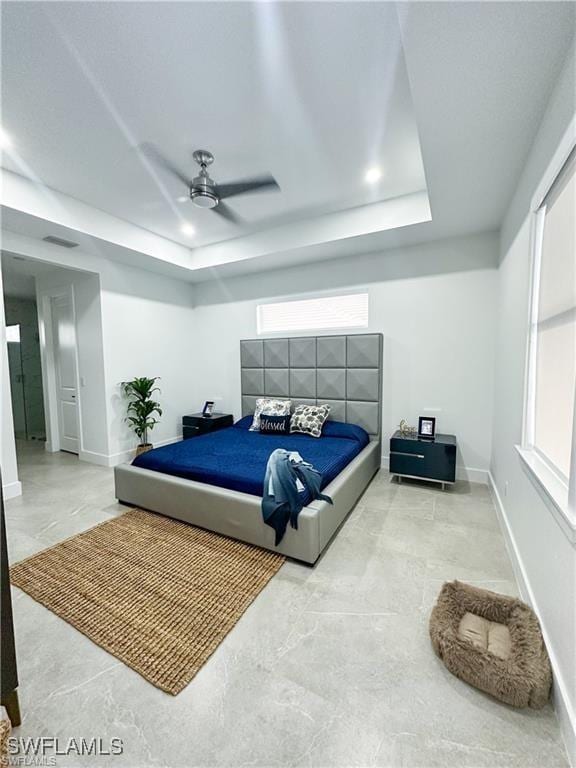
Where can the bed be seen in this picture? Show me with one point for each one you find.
(236, 458)
(215, 481)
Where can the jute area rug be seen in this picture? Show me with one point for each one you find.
(158, 594)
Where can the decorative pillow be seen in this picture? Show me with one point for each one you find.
(274, 425)
(271, 408)
(309, 419)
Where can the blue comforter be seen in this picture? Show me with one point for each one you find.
(236, 458)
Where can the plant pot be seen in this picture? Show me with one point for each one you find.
(143, 448)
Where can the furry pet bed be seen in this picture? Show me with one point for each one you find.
(493, 642)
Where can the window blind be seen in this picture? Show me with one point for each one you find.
(325, 313)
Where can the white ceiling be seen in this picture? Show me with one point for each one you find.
(312, 92)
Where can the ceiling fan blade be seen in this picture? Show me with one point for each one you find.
(152, 153)
(227, 213)
(257, 184)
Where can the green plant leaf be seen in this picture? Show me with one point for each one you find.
(141, 409)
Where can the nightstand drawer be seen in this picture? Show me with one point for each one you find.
(412, 447)
(437, 466)
(193, 421)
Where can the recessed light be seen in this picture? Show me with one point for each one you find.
(5, 140)
(187, 229)
(373, 175)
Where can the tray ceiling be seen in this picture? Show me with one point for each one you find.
(314, 93)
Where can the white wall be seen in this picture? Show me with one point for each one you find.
(10, 484)
(544, 558)
(435, 305)
(148, 325)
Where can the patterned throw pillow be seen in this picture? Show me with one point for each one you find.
(309, 419)
(271, 408)
(274, 425)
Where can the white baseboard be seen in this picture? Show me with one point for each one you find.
(113, 459)
(469, 474)
(11, 490)
(562, 705)
(95, 458)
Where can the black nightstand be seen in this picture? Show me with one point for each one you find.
(197, 424)
(423, 459)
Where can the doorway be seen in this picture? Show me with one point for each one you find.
(25, 368)
(64, 306)
(42, 352)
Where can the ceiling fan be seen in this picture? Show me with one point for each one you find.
(203, 191)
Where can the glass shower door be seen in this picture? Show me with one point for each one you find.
(17, 381)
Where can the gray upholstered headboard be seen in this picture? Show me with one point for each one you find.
(343, 371)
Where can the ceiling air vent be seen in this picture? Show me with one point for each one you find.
(59, 241)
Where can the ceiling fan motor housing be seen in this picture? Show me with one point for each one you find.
(202, 192)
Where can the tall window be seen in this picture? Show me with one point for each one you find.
(325, 313)
(552, 361)
(555, 325)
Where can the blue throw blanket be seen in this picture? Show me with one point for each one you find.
(286, 475)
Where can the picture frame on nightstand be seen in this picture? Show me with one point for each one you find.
(208, 409)
(426, 427)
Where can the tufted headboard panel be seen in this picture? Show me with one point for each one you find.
(343, 371)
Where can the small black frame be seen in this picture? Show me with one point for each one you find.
(426, 427)
(208, 409)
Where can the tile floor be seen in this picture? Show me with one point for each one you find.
(331, 666)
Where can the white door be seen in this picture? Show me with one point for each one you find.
(64, 335)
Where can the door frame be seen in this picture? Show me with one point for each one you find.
(48, 362)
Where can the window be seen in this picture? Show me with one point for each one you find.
(326, 313)
(551, 391)
(555, 326)
(13, 333)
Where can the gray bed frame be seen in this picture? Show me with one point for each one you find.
(343, 371)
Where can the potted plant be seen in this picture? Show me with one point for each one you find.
(142, 408)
